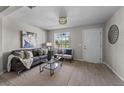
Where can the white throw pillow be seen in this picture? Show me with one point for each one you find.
(28, 54)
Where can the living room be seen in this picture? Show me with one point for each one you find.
(62, 31)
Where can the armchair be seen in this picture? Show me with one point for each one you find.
(66, 54)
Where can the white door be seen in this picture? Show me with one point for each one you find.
(92, 45)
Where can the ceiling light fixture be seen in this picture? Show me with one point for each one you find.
(63, 20)
(62, 16)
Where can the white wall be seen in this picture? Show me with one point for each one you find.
(11, 36)
(1, 65)
(76, 38)
(114, 54)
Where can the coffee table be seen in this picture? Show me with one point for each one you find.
(51, 65)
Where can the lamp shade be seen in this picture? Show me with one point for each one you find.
(48, 44)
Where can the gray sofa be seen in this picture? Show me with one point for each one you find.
(66, 53)
(18, 66)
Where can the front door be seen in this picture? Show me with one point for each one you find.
(92, 45)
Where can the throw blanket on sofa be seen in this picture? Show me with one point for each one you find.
(26, 62)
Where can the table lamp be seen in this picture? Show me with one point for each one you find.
(49, 44)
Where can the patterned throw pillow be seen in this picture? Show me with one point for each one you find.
(35, 53)
(28, 54)
(40, 52)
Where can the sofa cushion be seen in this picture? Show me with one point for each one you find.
(43, 57)
(68, 51)
(36, 59)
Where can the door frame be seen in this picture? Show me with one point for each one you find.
(101, 43)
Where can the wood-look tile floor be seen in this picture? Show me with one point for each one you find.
(74, 74)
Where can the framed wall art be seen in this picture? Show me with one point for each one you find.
(28, 39)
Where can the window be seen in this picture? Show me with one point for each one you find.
(62, 40)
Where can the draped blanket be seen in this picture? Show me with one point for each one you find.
(26, 62)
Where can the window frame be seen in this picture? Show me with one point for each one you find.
(60, 38)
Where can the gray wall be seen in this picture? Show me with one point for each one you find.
(114, 54)
(11, 36)
(76, 38)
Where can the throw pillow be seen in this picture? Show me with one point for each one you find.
(28, 54)
(35, 53)
(68, 51)
(40, 52)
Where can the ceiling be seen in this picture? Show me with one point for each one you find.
(46, 17)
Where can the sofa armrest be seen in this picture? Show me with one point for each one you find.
(66, 56)
(16, 65)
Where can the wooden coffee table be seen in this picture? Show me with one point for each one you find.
(51, 65)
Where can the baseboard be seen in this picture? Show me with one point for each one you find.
(78, 59)
(4, 71)
(114, 71)
(88, 61)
